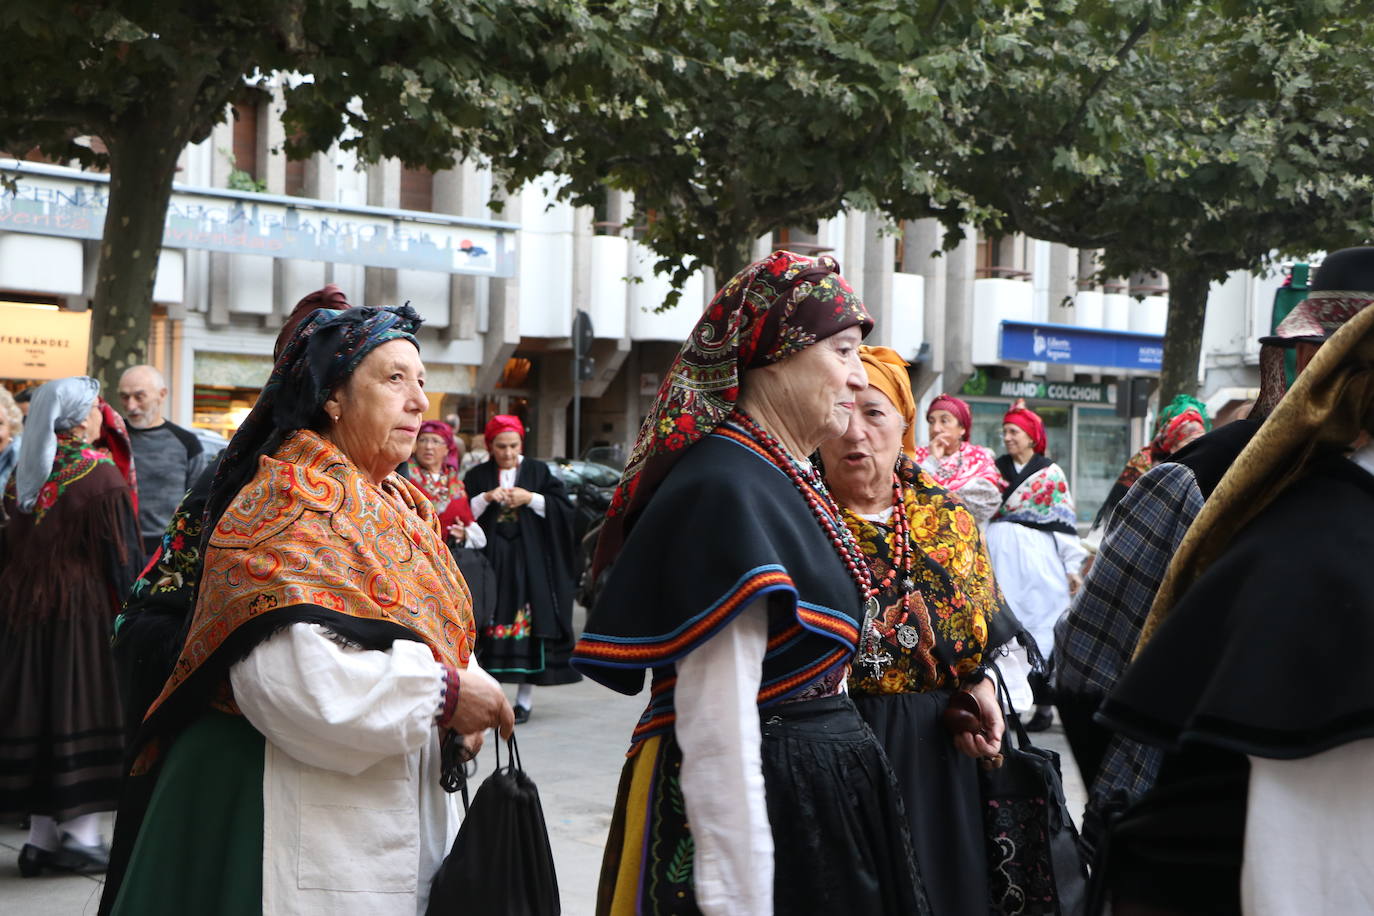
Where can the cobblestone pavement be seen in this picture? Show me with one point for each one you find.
(573, 748)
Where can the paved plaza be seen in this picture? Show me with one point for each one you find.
(573, 748)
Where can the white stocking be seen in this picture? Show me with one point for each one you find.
(525, 696)
(43, 832)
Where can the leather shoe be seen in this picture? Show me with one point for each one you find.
(1042, 720)
(33, 859)
(522, 715)
(81, 860)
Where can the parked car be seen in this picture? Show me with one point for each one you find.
(590, 486)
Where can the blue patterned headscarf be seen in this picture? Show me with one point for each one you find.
(323, 352)
(56, 406)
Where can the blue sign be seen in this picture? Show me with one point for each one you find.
(1061, 343)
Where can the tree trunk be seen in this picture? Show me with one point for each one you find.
(731, 258)
(1183, 334)
(143, 160)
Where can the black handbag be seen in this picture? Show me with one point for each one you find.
(1034, 865)
(481, 579)
(501, 863)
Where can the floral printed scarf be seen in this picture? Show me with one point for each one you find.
(1037, 497)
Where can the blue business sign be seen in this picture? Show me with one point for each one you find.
(1061, 343)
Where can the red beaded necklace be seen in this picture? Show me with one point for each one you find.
(812, 489)
(901, 559)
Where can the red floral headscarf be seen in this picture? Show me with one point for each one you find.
(773, 309)
(1030, 421)
(443, 431)
(503, 423)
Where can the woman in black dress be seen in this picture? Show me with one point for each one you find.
(525, 512)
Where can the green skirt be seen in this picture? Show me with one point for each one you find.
(200, 848)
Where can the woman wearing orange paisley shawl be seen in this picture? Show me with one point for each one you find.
(292, 760)
(734, 582)
(939, 615)
(70, 551)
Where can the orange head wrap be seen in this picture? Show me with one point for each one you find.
(887, 373)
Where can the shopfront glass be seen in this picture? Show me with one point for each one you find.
(1103, 440)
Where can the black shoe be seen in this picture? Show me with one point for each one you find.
(522, 715)
(1042, 720)
(79, 859)
(33, 859)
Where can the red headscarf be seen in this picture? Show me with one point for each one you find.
(114, 438)
(443, 431)
(1030, 421)
(774, 308)
(955, 406)
(327, 297)
(503, 423)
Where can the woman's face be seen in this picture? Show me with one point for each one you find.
(506, 449)
(943, 422)
(376, 414)
(1017, 441)
(812, 394)
(430, 451)
(863, 458)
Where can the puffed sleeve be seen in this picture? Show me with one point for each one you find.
(339, 707)
(716, 699)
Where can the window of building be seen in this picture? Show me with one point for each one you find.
(247, 115)
(417, 189)
(1003, 257)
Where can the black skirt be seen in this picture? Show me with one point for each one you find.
(840, 835)
(941, 795)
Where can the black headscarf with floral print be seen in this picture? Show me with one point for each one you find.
(773, 309)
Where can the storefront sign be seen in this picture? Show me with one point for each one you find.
(1058, 343)
(39, 342)
(50, 200)
(1075, 392)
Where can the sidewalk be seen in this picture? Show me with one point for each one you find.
(573, 748)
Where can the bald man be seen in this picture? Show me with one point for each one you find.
(167, 457)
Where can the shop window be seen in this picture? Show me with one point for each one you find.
(222, 409)
(417, 189)
(1104, 442)
(295, 178)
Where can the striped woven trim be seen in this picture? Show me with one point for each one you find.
(651, 651)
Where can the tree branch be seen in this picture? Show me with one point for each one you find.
(1132, 40)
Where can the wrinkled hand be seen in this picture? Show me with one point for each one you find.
(518, 496)
(944, 445)
(1075, 583)
(481, 704)
(458, 532)
(472, 744)
(990, 742)
(497, 495)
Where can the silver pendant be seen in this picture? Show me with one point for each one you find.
(907, 636)
(871, 609)
(908, 585)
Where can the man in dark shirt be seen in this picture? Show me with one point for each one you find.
(167, 457)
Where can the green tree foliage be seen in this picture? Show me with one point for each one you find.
(1198, 139)
(146, 77)
(729, 120)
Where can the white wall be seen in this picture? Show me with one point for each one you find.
(996, 300)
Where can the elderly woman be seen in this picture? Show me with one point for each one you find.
(1182, 421)
(738, 587)
(939, 616)
(1033, 536)
(292, 761)
(529, 522)
(968, 471)
(71, 549)
(434, 469)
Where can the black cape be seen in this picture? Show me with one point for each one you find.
(1007, 468)
(1255, 656)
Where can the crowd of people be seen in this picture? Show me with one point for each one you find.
(269, 657)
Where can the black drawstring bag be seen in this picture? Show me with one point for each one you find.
(501, 863)
(1034, 866)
